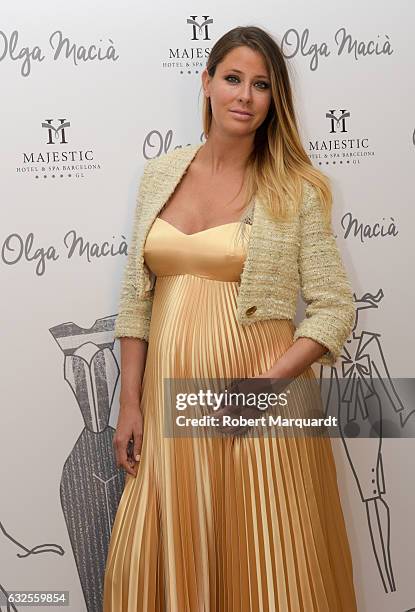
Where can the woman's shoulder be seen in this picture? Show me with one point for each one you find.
(309, 189)
(172, 161)
(164, 170)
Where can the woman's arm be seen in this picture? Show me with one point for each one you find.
(134, 314)
(133, 359)
(303, 353)
(130, 418)
(132, 327)
(325, 287)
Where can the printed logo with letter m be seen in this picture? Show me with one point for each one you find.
(56, 133)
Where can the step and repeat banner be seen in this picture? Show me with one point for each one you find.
(91, 90)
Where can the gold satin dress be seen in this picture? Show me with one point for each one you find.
(222, 523)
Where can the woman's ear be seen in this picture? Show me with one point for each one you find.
(205, 82)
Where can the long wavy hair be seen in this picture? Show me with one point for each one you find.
(278, 162)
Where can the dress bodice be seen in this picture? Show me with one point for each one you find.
(216, 253)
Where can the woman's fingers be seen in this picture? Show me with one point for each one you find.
(236, 412)
(138, 441)
(231, 411)
(121, 455)
(128, 439)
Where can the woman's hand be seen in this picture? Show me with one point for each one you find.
(247, 386)
(129, 427)
(240, 385)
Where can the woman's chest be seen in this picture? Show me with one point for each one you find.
(197, 207)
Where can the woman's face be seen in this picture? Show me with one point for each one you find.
(241, 83)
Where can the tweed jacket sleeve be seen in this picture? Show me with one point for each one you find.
(134, 315)
(325, 286)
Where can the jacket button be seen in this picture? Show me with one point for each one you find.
(249, 311)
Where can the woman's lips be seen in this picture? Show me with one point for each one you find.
(241, 114)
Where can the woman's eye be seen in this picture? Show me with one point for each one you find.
(264, 84)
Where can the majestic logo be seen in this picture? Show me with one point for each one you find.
(56, 133)
(198, 28)
(337, 121)
(340, 143)
(58, 160)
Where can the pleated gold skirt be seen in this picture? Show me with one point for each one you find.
(224, 523)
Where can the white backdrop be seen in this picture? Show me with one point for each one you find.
(89, 90)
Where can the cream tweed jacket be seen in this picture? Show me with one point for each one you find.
(282, 258)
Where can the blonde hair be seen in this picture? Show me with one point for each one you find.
(278, 162)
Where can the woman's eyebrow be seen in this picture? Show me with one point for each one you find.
(257, 76)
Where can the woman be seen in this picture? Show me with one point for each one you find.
(224, 236)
